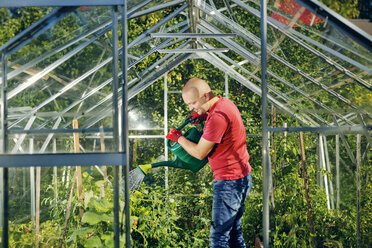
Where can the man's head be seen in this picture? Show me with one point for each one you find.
(196, 94)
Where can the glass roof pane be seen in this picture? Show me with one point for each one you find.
(304, 70)
(143, 45)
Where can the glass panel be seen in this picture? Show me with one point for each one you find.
(307, 76)
(63, 74)
(50, 200)
(143, 47)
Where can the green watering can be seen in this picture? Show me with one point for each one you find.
(182, 159)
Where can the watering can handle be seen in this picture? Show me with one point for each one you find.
(187, 121)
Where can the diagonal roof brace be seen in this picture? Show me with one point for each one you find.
(192, 35)
(205, 50)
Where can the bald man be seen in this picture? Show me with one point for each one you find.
(224, 143)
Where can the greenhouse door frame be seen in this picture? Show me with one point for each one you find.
(116, 159)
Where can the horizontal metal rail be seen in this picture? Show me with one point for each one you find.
(62, 159)
(192, 35)
(325, 129)
(197, 50)
(54, 3)
(59, 130)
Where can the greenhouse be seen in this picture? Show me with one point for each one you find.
(89, 90)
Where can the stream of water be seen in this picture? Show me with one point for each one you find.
(135, 179)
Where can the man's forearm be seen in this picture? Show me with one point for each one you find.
(191, 148)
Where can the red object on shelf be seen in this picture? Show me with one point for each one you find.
(292, 8)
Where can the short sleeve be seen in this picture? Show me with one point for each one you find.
(215, 127)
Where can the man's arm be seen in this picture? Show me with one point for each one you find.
(199, 150)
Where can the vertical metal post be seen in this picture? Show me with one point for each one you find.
(115, 86)
(358, 162)
(55, 173)
(125, 140)
(1, 196)
(32, 185)
(330, 183)
(265, 134)
(319, 162)
(322, 157)
(166, 127)
(337, 172)
(226, 85)
(4, 149)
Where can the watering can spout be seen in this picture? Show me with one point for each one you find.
(145, 169)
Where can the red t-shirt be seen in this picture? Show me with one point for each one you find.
(224, 126)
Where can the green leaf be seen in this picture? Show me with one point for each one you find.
(101, 205)
(93, 242)
(93, 218)
(82, 232)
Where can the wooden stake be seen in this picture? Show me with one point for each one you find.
(79, 179)
(307, 191)
(68, 210)
(103, 149)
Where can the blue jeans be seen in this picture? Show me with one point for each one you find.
(227, 212)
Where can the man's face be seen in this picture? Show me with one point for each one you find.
(194, 102)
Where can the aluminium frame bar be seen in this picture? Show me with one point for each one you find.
(324, 130)
(115, 119)
(58, 3)
(197, 50)
(266, 167)
(346, 144)
(192, 35)
(61, 159)
(124, 120)
(59, 130)
(3, 149)
(365, 132)
(154, 9)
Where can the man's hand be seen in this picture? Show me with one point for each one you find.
(196, 119)
(174, 135)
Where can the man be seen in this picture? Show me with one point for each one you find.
(224, 142)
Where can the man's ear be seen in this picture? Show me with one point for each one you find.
(207, 96)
